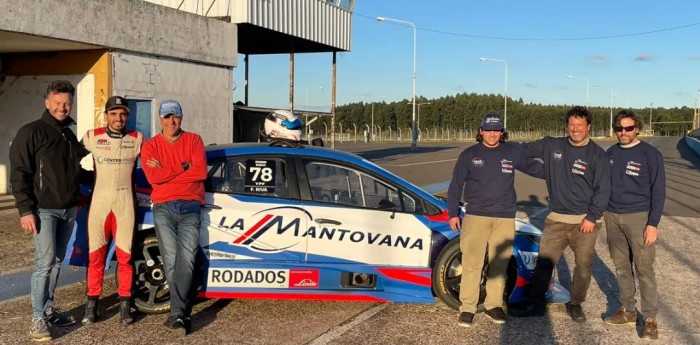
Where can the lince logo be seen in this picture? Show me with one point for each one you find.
(477, 162)
(306, 283)
(293, 227)
(102, 142)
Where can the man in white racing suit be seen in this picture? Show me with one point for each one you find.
(115, 150)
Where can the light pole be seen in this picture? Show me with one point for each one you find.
(414, 134)
(306, 107)
(371, 98)
(505, 93)
(418, 117)
(612, 96)
(575, 77)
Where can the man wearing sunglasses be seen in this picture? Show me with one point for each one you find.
(632, 217)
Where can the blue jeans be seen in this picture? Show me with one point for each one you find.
(55, 228)
(178, 241)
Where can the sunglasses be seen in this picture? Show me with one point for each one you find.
(626, 128)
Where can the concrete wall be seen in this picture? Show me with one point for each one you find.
(131, 25)
(22, 101)
(204, 91)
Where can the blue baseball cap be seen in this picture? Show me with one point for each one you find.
(170, 107)
(492, 122)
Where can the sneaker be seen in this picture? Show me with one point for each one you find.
(651, 331)
(622, 317)
(56, 319)
(466, 319)
(179, 324)
(530, 310)
(576, 312)
(496, 315)
(40, 330)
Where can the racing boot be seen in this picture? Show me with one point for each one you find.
(125, 310)
(91, 312)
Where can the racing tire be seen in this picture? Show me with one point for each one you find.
(447, 275)
(151, 293)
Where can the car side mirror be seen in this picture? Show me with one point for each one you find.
(386, 205)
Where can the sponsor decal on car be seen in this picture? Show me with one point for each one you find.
(303, 279)
(263, 278)
(292, 226)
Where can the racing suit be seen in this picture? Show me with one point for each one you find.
(112, 207)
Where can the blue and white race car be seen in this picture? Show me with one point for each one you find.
(312, 223)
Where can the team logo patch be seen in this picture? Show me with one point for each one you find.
(506, 166)
(477, 162)
(633, 168)
(102, 142)
(579, 167)
(557, 155)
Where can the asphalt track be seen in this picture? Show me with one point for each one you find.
(307, 322)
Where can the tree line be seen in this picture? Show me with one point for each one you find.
(464, 111)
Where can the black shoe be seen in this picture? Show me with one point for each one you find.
(576, 312)
(56, 319)
(125, 311)
(530, 310)
(496, 315)
(91, 312)
(179, 324)
(466, 319)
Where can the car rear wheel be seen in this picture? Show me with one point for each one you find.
(151, 291)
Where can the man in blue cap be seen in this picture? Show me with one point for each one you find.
(176, 166)
(485, 174)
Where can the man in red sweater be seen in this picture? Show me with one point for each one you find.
(175, 165)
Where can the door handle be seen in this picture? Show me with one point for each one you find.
(212, 206)
(327, 221)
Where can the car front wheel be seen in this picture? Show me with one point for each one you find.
(447, 276)
(151, 291)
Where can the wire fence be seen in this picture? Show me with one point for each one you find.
(363, 134)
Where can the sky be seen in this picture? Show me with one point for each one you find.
(620, 52)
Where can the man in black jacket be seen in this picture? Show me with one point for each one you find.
(577, 172)
(45, 165)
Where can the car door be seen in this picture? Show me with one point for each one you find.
(358, 216)
(253, 206)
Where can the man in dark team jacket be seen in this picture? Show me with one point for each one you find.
(485, 173)
(632, 217)
(578, 181)
(45, 166)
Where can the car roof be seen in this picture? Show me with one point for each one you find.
(223, 150)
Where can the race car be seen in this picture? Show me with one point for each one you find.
(283, 220)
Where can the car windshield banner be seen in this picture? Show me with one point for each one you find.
(260, 176)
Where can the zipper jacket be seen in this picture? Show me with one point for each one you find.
(45, 165)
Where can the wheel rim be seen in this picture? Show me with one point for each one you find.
(452, 275)
(151, 286)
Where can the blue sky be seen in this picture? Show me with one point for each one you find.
(644, 51)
